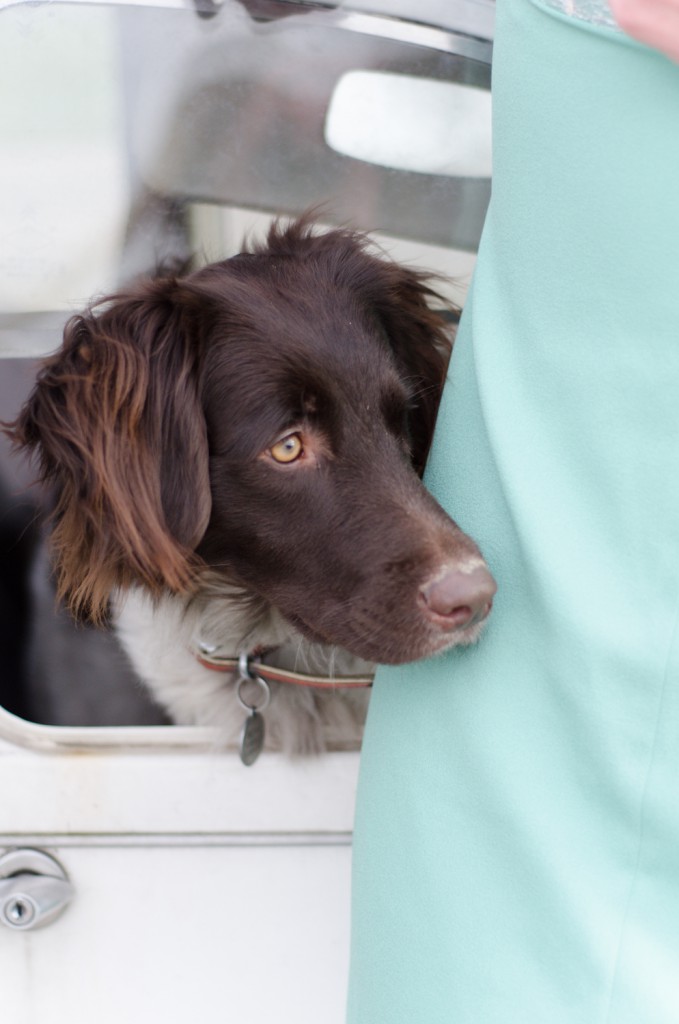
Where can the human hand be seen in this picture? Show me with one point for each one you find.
(654, 22)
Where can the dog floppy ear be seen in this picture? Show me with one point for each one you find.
(420, 337)
(116, 420)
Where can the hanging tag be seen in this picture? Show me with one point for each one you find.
(252, 735)
(252, 738)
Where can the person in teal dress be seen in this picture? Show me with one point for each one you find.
(516, 856)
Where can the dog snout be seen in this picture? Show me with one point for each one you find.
(457, 597)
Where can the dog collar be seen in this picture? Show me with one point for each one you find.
(250, 665)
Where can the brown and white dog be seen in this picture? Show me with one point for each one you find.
(236, 455)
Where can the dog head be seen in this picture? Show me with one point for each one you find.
(265, 418)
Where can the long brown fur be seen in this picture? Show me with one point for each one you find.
(116, 419)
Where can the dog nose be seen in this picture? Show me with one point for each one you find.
(455, 599)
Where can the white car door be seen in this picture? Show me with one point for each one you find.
(146, 875)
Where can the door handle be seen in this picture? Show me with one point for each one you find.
(34, 889)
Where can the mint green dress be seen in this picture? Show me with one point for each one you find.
(517, 835)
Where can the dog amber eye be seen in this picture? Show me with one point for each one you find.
(288, 449)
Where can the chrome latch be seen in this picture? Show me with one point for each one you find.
(34, 889)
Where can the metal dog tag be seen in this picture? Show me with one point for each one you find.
(252, 738)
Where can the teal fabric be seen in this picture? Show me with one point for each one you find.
(517, 835)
